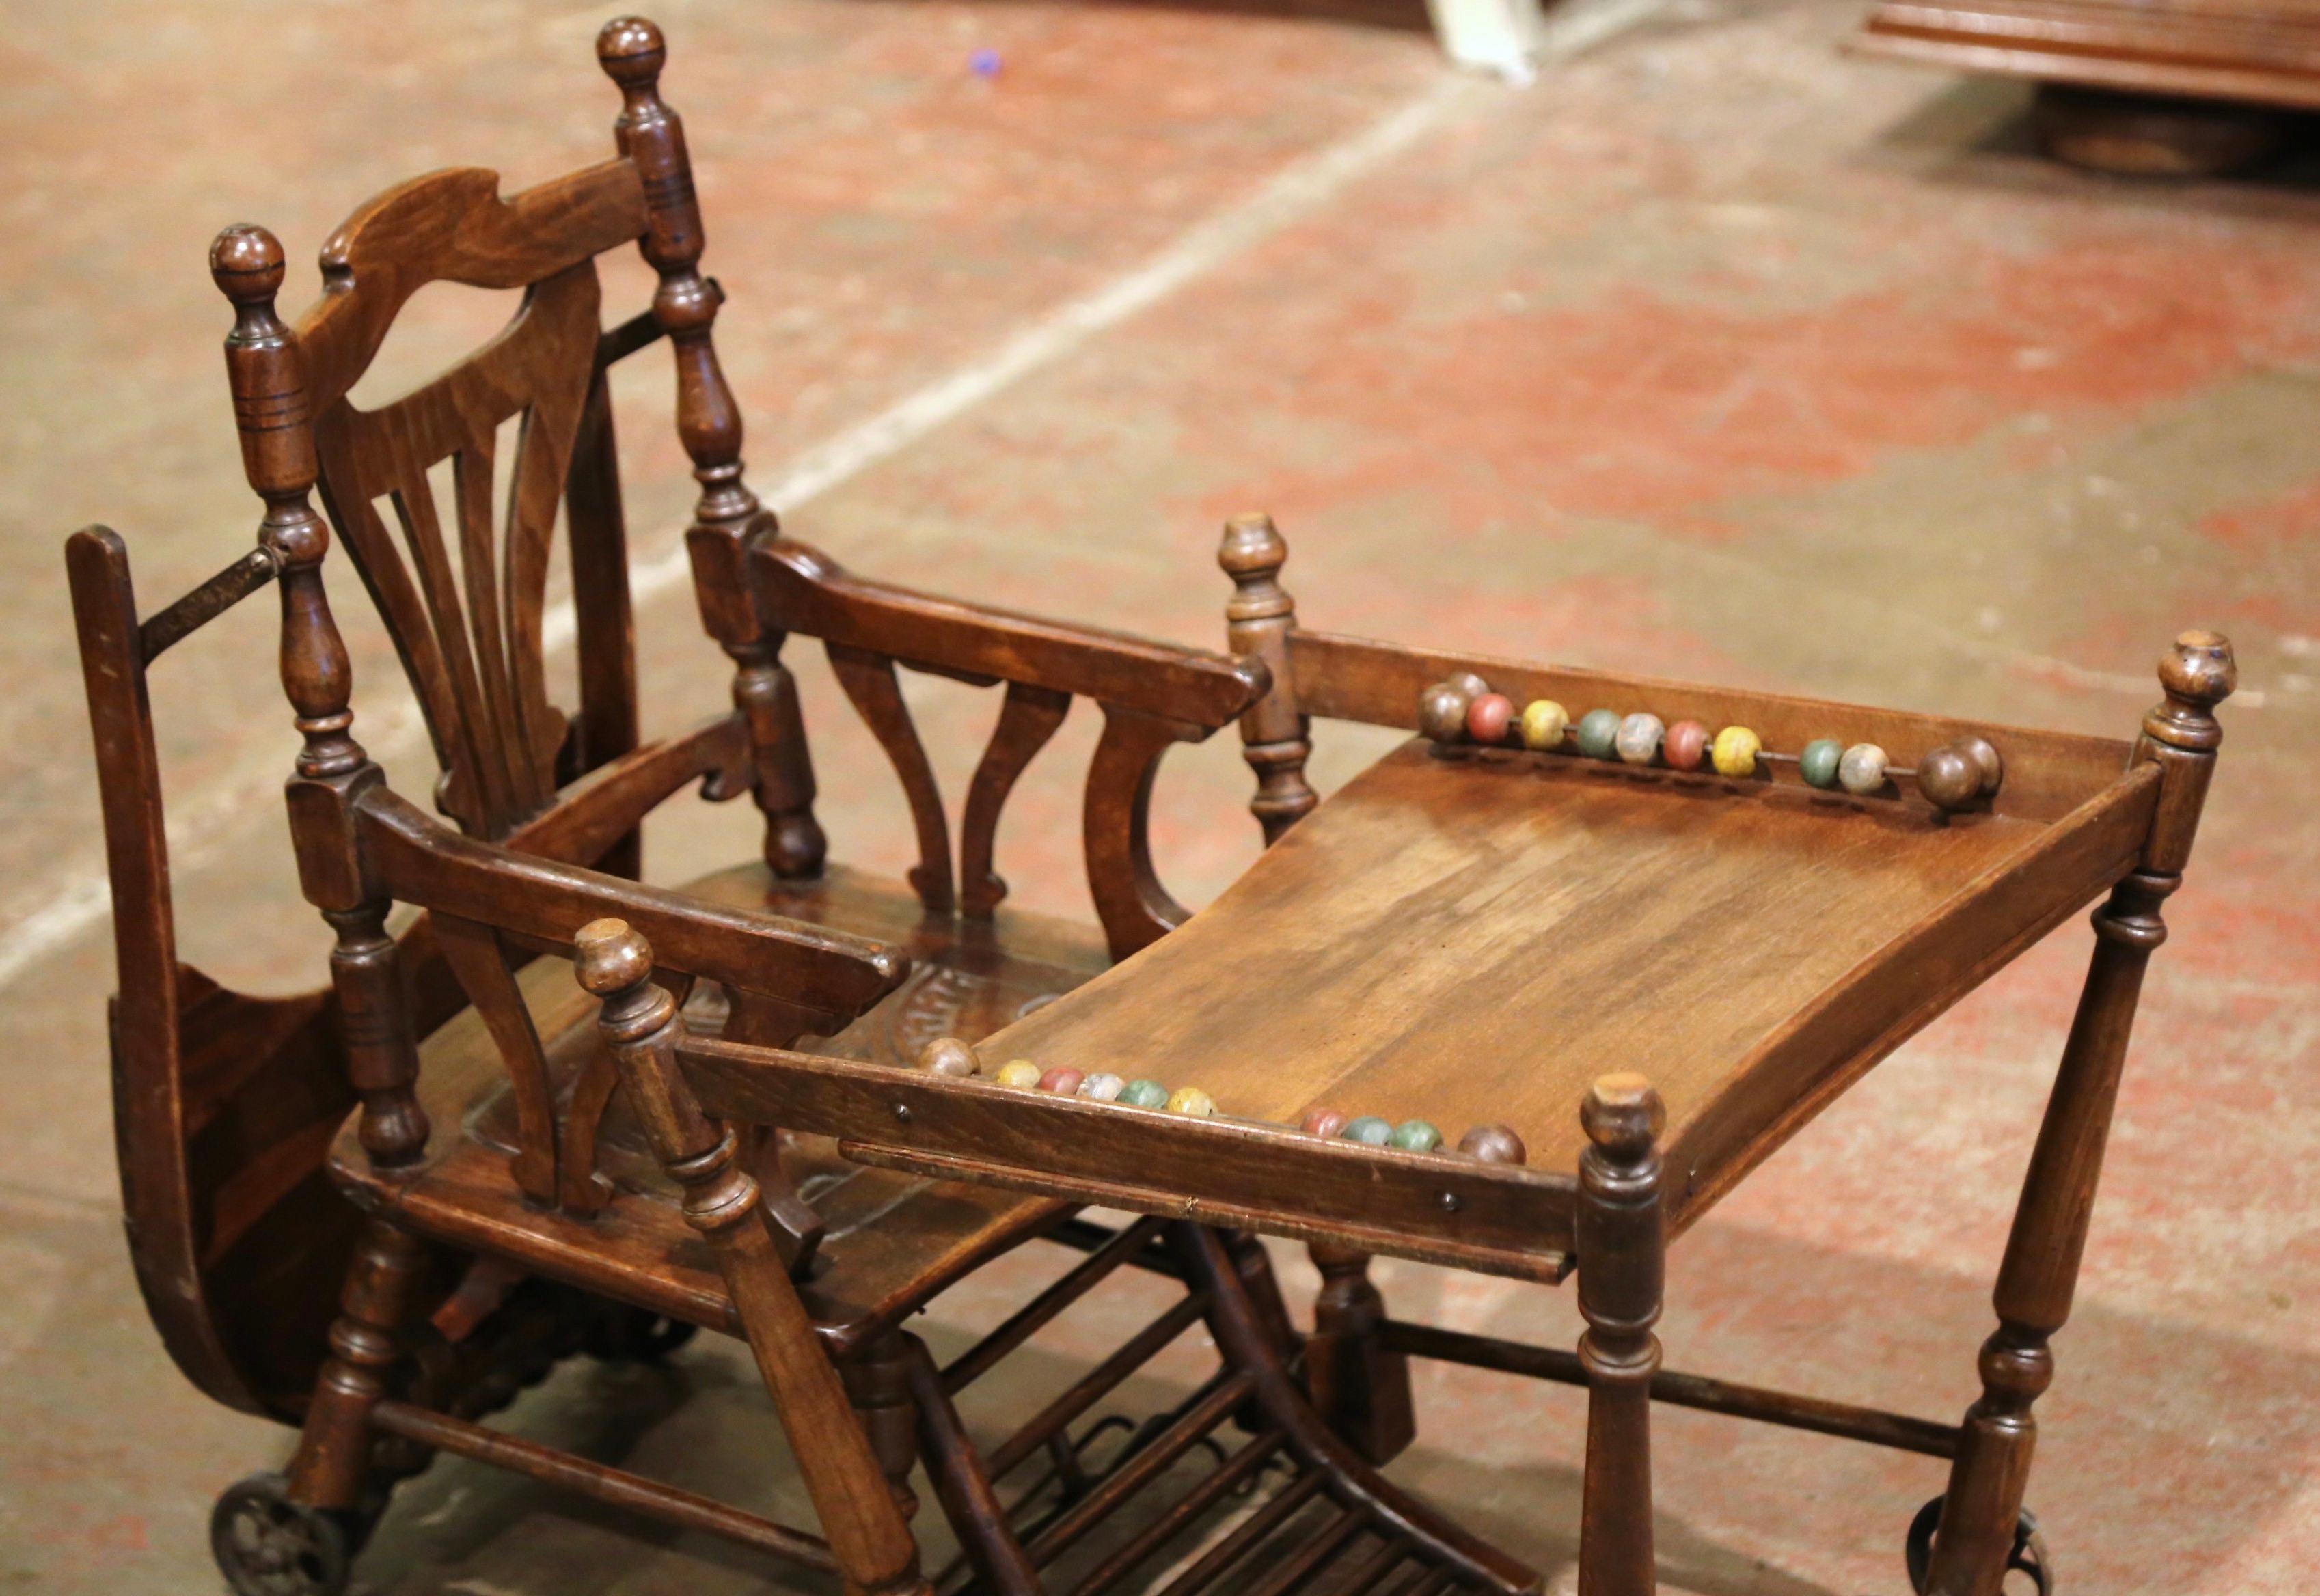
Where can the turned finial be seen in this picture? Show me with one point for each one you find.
(1253, 548)
(609, 956)
(1622, 1116)
(2196, 675)
(246, 264)
(631, 51)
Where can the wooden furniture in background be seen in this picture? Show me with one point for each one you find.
(2159, 89)
(1468, 934)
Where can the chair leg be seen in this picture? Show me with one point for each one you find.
(878, 1384)
(333, 1458)
(1622, 1257)
(1359, 1385)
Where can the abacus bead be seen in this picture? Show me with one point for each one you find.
(1103, 1088)
(1493, 1144)
(1948, 778)
(1019, 1073)
(1488, 716)
(1735, 751)
(1598, 734)
(1818, 762)
(948, 1056)
(1685, 744)
(1638, 740)
(1415, 1136)
(1862, 768)
(1469, 684)
(1442, 712)
(1143, 1094)
(1542, 720)
(1322, 1122)
(1986, 762)
(1063, 1080)
(1192, 1100)
(1369, 1130)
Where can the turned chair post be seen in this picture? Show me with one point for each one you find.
(639, 1023)
(728, 519)
(266, 373)
(1975, 1537)
(1274, 734)
(1621, 1244)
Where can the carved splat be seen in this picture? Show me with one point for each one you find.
(1134, 908)
(480, 958)
(467, 617)
(1027, 721)
(869, 681)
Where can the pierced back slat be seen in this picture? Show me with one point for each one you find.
(1027, 721)
(869, 681)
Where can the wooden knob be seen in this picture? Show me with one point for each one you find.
(631, 50)
(246, 264)
(1252, 547)
(609, 956)
(2201, 670)
(1622, 1115)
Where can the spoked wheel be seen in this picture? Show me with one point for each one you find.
(2027, 1555)
(266, 1544)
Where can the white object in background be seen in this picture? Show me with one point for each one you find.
(1499, 36)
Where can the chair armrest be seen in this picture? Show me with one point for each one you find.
(418, 860)
(800, 589)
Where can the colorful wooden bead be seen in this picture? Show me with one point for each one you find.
(1598, 734)
(1488, 717)
(1735, 751)
(1369, 1130)
(1103, 1088)
(1442, 712)
(1542, 722)
(1469, 684)
(1143, 1094)
(948, 1056)
(1019, 1073)
(1322, 1122)
(1862, 768)
(1818, 762)
(1949, 778)
(1985, 760)
(1063, 1080)
(1685, 744)
(1192, 1100)
(1493, 1144)
(1638, 738)
(1415, 1136)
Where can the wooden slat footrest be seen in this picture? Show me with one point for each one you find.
(613, 1487)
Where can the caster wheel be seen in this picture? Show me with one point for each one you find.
(631, 1336)
(266, 1544)
(2027, 1555)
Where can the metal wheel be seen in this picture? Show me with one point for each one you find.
(266, 1544)
(2027, 1555)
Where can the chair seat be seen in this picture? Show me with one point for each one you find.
(891, 1240)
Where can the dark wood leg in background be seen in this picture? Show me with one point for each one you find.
(878, 1383)
(1975, 1537)
(382, 1297)
(1356, 1383)
(1622, 1254)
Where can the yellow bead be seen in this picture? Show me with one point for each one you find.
(1542, 720)
(1735, 751)
(1019, 1072)
(1192, 1100)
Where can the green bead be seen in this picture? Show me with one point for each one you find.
(1818, 762)
(1369, 1130)
(1415, 1135)
(1143, 1094)
(1598, 734)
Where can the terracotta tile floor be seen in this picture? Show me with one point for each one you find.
(1713, 353)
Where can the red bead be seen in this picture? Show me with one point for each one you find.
(1685, 744)
(1063, 1080)
(1323, 1122)
(1488, 717)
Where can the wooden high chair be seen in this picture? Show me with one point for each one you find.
(1634, 951)
(507, 1209)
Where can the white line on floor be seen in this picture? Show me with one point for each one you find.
(51, 916)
